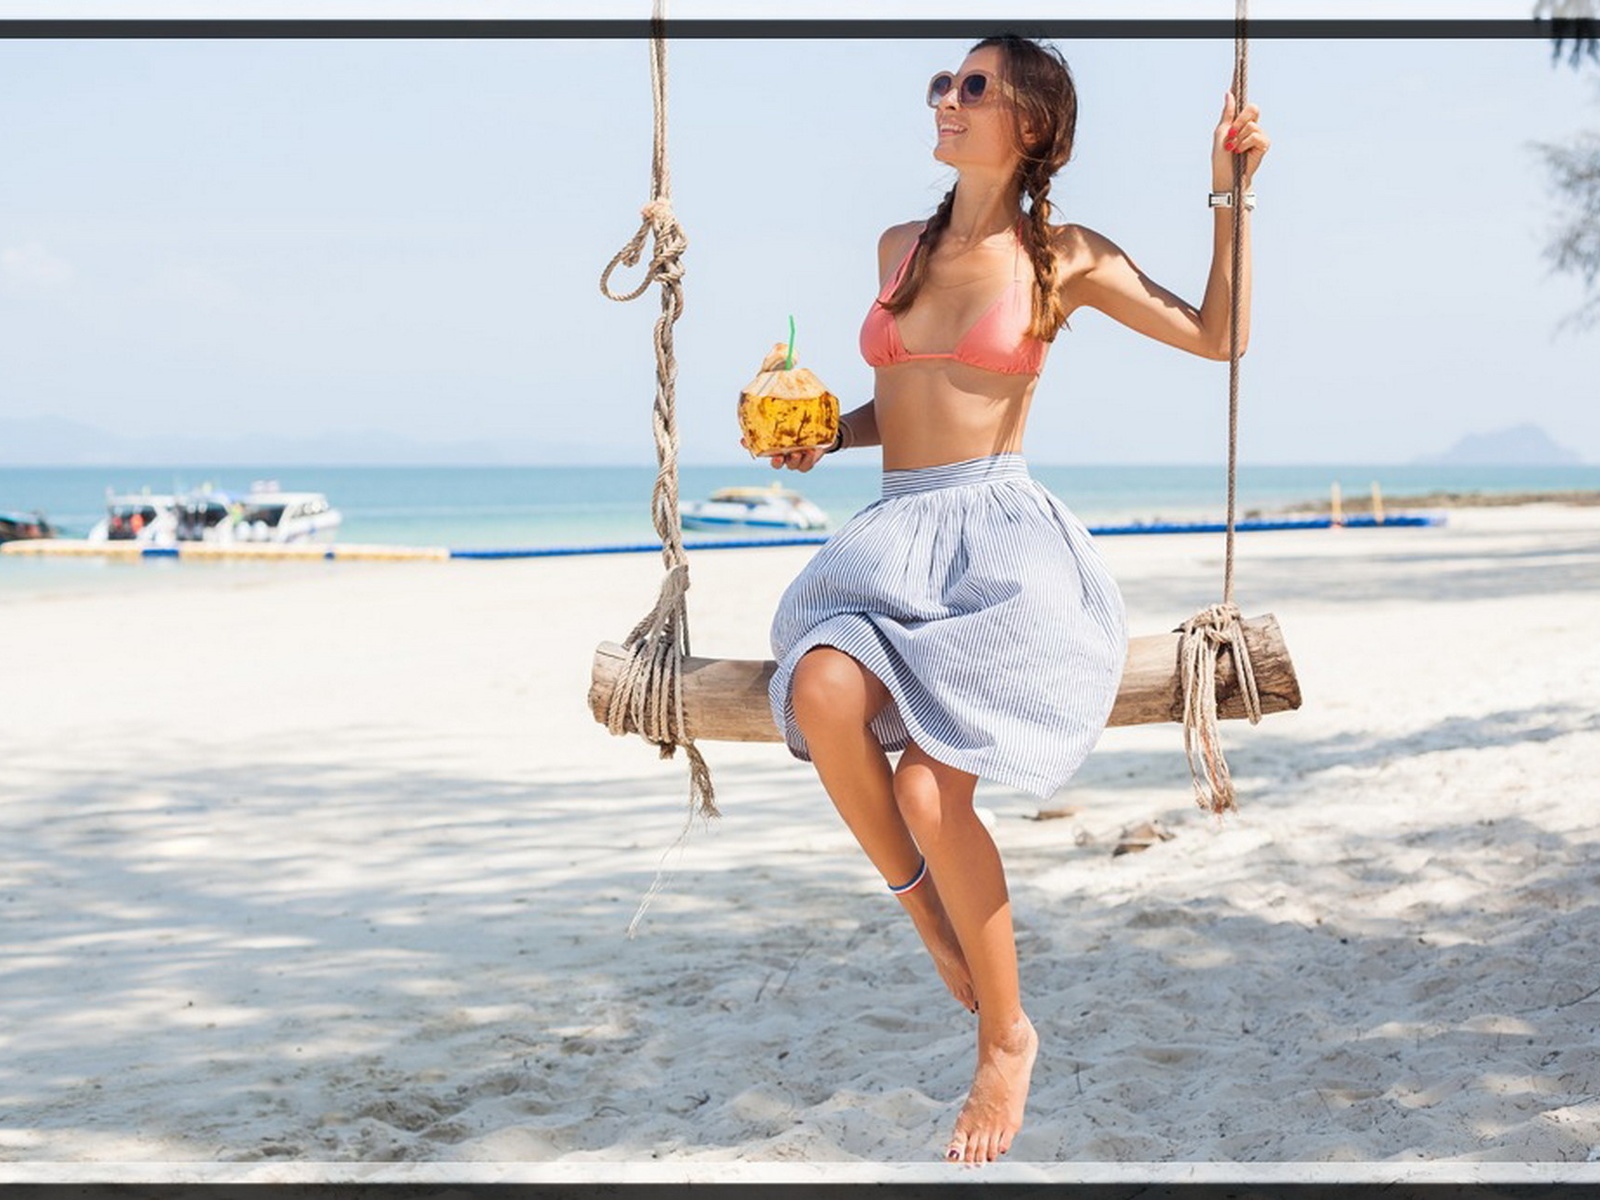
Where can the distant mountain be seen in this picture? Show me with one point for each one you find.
(1525, 445)
(56, 441)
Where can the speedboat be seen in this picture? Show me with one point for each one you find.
(203, 516)
(270, 515)
(145, 517)
(19, 527)
(773, 507)
(264, 514)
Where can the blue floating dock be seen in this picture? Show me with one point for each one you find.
(1258, 526)
(343, 552)
(817, 539)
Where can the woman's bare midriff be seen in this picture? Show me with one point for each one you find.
(942, 411)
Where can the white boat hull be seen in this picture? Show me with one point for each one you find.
(261, 518)
(796, 517)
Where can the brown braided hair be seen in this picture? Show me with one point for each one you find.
(1043, 97)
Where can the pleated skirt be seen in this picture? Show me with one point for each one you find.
(981, 602)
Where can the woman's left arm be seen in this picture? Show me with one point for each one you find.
(1098, 273)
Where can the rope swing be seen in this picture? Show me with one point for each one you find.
(1211, 631)
(648, 697)
(1215, 665)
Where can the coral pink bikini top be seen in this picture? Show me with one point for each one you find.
(997, 341)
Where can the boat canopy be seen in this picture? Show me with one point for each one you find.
(756, 494)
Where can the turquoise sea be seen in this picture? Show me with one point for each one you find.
(501, 507)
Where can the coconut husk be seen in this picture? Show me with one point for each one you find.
(783, 410)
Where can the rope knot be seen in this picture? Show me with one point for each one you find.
(671, 241)
(1213, 624)
(1204, 637)
(674, 585)
(657, 218)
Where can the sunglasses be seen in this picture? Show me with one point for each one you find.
(972, 89)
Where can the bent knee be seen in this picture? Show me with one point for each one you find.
(917, 801)
(930, 794)
(831, 686)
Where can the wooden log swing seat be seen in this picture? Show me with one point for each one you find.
(1215, 665)
(725, 699)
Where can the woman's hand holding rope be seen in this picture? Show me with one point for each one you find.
(1237, 133)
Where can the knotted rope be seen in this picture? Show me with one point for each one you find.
(649, 695)
(1205, 636)
(1208, 633)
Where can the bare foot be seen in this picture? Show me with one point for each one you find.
(928, 915)
(992, 1114)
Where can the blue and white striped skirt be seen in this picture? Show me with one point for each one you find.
(981, 602)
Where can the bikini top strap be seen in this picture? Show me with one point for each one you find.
(905, 261)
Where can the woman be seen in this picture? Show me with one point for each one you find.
(966, 618)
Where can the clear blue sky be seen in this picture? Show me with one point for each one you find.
(303, 238)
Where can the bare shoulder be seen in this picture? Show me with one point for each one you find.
(1080, 251)
(893, 244)
(899, 237)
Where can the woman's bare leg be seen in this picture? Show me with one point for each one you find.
(936, 802)
(834, 699)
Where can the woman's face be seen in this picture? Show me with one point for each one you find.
(982, 134)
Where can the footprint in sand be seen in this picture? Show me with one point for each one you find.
(894, 1022)
(413, 1114)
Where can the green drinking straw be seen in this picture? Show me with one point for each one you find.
(789, 362)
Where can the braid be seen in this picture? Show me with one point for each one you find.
(1045, 116)
(1045, 111)
(1048, 314)
(911, 281)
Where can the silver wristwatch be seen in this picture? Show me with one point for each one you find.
(1225, 199)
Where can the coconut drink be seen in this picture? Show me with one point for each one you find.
(785, 407)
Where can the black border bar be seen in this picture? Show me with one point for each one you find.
(1548, 28)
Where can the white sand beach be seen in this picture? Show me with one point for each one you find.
(328, 862)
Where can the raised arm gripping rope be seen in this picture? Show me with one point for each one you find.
(1206, 634)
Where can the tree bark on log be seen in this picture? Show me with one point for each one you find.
(725, 699)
